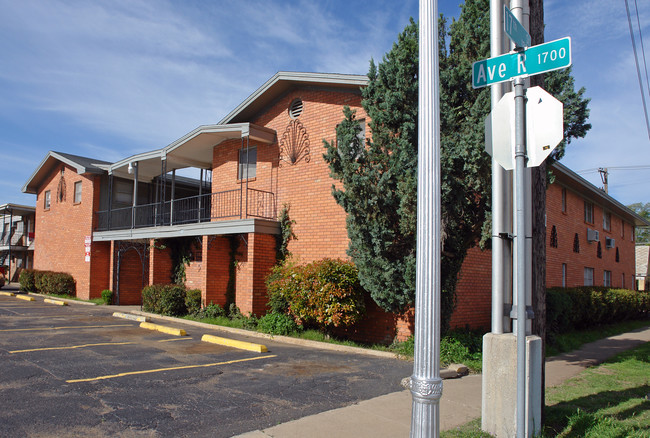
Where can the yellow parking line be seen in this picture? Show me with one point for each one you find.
(72, 347)
(184, 367)
(175, 339)
(69, 327)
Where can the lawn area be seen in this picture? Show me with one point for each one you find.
(610, 400)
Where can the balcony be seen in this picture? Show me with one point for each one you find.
(223, 212)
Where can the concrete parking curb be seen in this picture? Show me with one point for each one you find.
(241, 345)
(163, 329)
(8, 294)
(276, 338)
(131, 317)
(57, 302)
(25, 298)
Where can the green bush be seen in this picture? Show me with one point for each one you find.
(277, 324)
(211, 311)
(578, 308)
(172, 300)
(325, 293)
(57, 283)
(193, 301)
(26, 280)
(164, 299)
(107, 296)
(151, 298)
(47, 282)
(38, 280)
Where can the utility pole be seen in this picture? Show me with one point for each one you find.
(603, 177)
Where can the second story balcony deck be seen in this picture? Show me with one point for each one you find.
(226, 212)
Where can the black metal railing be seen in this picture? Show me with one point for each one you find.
(229, 204)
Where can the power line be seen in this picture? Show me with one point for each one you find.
(645, 65)
(596, 169)
(638, 70)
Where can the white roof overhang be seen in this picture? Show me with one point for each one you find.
(195, 149)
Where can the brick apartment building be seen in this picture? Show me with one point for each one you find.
(110, 224)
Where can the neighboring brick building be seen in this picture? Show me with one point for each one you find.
(589, 241)
(16, 239)
(265, 154)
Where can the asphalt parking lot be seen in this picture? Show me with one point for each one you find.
(79, 371)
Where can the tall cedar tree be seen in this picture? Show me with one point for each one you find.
(379, 175)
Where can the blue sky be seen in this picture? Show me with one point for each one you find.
(108, 79)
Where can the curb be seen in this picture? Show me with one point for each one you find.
(8, 294)
(241, 345)
(65, 300)
(276, 338)
(163, 329)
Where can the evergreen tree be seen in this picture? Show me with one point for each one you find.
(379, 177)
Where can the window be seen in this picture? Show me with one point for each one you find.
(589, 277)
(563, 199)
(563, 274)
(247, 163)
(607, 278)
(46, 200)
(623, 281)
(77, 192)
(622, 228)
(589, 212)
(607, 221)
(123, 193)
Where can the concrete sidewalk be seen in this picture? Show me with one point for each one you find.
(390, 415)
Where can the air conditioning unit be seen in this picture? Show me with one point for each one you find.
(592, 235)
(609, 242)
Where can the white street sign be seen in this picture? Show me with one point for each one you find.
(544, 128)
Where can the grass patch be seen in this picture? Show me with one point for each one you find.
(570, 341)
(611, 400)
(467, 430)
(458, 346)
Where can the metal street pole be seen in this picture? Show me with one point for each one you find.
(501, 198)
(520, 251)
(425, 384)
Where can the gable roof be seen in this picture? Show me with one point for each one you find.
(283, 81)
(81, 165)
(575, 182)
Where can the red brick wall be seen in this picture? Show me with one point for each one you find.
(216, 258)
(254, 264)
(60, 244)
(474, 291)
(306, 185)
(572, 221)
(160, 263)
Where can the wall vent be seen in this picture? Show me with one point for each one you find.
(295, 109)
